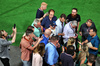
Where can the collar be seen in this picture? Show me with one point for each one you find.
(44, 36)
(68, 54)
(52, 44)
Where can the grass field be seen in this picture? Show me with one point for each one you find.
(23, 12)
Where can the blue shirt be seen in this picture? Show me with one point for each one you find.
(95, 43)
(39, 13)
(44, 40)
(51, 54)
(46, 21)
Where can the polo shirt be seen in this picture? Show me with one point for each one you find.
(95, 43)
(70, 18)
(46, 22)
(44, 40)
(25, 52)
(66, 59)
(39, 13)
(36, 30)
(51, 54)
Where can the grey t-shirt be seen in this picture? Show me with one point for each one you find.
(4, 48)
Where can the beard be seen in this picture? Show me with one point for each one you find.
(73, 16)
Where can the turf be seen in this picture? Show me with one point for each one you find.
(23, 12)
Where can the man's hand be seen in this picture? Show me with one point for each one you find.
(45, 14)
(61, 34)
(40, 39)
(14, 30)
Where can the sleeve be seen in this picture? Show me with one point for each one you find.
(68, 17)
(96, 43)
(51, 54)
(5, 42)
(78, 19)
(88, 38)
(38, 14)
(65, 32)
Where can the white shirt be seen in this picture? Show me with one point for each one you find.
(59, 26)
(37, 60)
(53, 32)
(68, 31)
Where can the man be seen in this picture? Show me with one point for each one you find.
(94, 39)
(48, 20)
(74, 16)
(40, 14)
(37, 27)
(69, 31)
(4, 43)
(46, 36)
(26, 48)
(84, 29)
(60, 27)
(32, 28)
(91, 60)
(51, 54)
(66, 57)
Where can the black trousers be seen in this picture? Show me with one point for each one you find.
(5, 61)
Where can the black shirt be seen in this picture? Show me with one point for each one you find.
(66, 60)
(77, 18)
(85, 30)
(39, 13)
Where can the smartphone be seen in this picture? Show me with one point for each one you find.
(14, 26)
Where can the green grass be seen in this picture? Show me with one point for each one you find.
(23, 12)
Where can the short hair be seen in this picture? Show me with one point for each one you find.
(36, 21)
(89, 20)
(1, 33)
(51, 10)
(92, 58)
(74, 23)
(94, 29)
(70, 49)
(75, 9)
(43, 3)
(29, 31)
(30, 27)
(54, 38)
(63, 15)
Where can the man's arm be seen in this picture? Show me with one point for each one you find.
(14, 35)
(96, 45)
(32, 48)
(86, 41)
(43, 16)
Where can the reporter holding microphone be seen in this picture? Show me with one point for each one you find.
(4, 44)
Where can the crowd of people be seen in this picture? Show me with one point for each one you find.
(49, 41)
